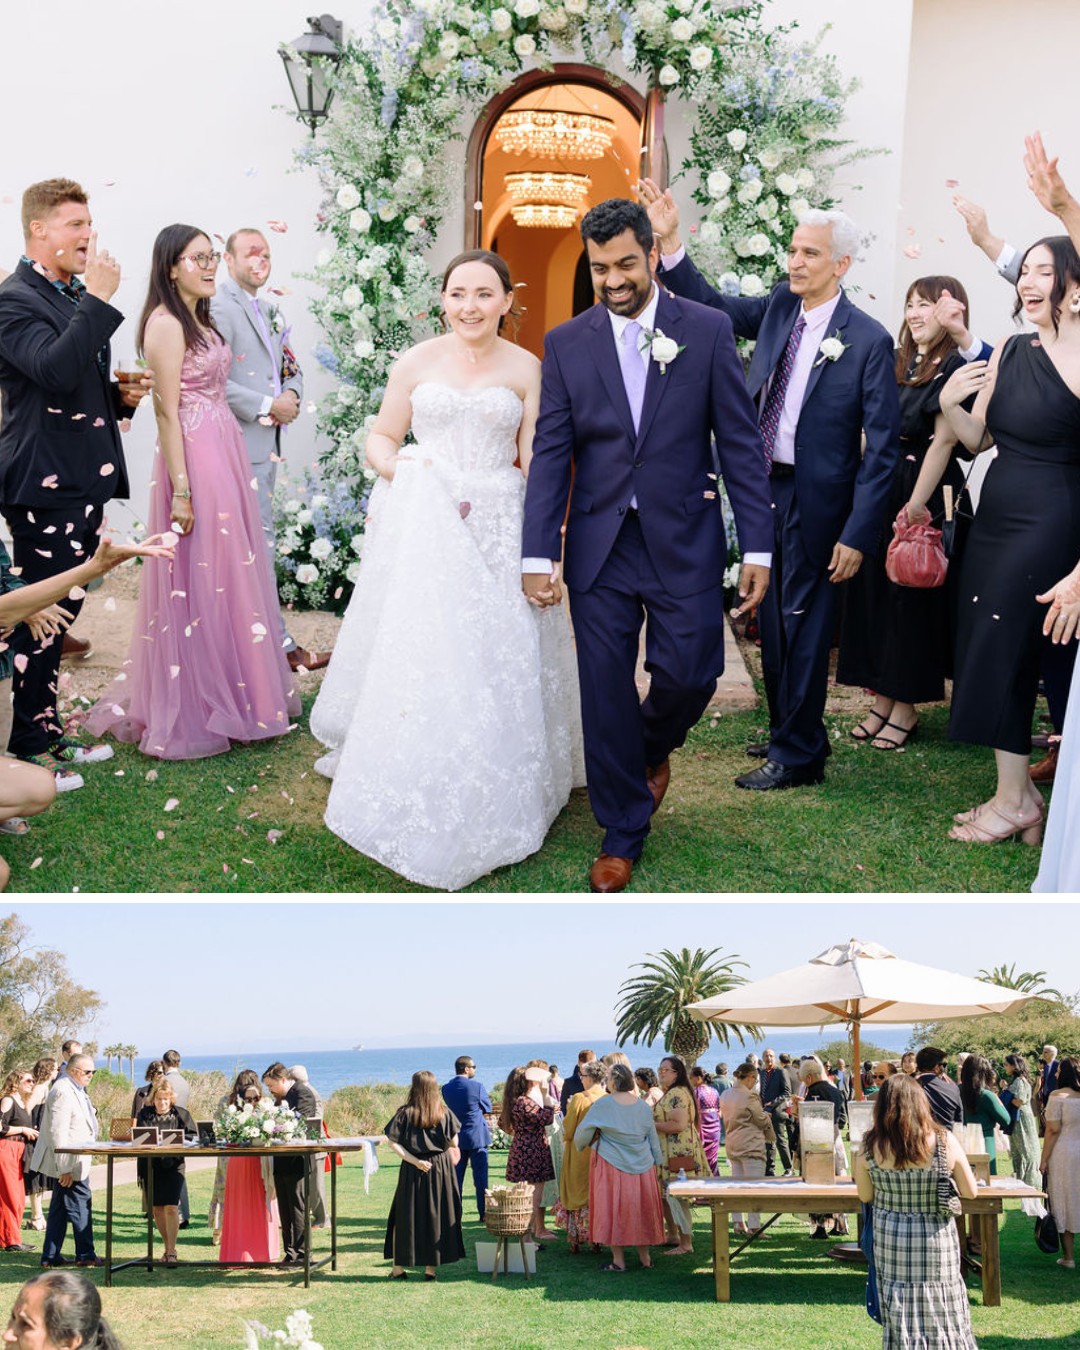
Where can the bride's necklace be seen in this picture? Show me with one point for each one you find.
(474, 355)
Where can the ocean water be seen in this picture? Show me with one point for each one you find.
(331, 1069)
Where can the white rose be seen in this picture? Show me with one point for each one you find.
(321, 549)
(786, 184)
(728, 280)
(737, 139)
(306, 573)
(682, 30)
(360, 221)
(750, 191)
(742, 247)
(292, 506)
(554, 20)
(700, 58)
(576, 6)
(352, 572)
(751, 284)
(449, 45)
(668, 76)
(770, 159)
(798, 206)
(359, 322)
(684, 6)
(304, 517)
(718, 208)
(347, 197)
(324, 256)
(363, 349)
(709, 232)
(663, 349)
(410, 224)
(759, 245)
(717, 183)
(320, 499)
(804, 178)
(525, 45)
(352, 297)
(412, 166)
(526, 9)
(463, 16)
(387, 211)
(767, 209)
(386, 29)
(365, 269)
(501, 20)
(831, 349)
(356, 543)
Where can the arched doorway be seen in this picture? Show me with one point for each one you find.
(546, 260)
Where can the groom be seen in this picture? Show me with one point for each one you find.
(632, 392)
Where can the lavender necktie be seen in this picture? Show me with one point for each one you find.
(774, 400)
(633, 369)
(267, 339)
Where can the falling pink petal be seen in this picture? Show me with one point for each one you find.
(43, 553)
(49, 482)
(280, 290)
(49, 529)
(124, 424)
(172, 803)
(15, 571)
(266, 421)
(105, 470)
(173, 672)
(278, 226)
(99, 421)
(310, 407)
(110, 604)
(76, 593)
(952, 182)
(77, 417)
(21, 661)
(913, 251)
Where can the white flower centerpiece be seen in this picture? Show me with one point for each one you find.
(299, 1333)
(258, 1123)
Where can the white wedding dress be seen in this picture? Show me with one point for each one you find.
(450, 706)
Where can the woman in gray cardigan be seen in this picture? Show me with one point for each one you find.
(624, 1194)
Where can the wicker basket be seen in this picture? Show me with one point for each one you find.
(509, 1212)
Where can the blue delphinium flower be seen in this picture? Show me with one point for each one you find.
(326, 356)
(389, 107)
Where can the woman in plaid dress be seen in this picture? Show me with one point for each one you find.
(924, 1302)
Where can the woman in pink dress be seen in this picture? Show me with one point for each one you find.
(205, 667)
(708, 1116)
(249, 1225)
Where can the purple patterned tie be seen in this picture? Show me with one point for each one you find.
(633, 369)
(774, 400)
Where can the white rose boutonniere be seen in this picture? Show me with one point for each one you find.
(831, 349)
(277, 324)
(662, 349)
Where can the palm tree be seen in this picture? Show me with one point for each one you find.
(654, 1003)
(129, 1052)
(109, 1052)
(1027, 982)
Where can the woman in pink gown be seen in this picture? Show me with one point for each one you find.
(205, 667)
(249, 1225)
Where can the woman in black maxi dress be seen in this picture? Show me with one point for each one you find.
(897, 640)
(162, 1111)
(424, 1226)
(1026, 533)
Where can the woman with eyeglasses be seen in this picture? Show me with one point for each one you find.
(884, 1068)
(205, 668)
(16, 1134)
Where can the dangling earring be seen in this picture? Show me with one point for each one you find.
(1074, 304)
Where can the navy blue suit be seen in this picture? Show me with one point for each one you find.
(839, 493)
(665, 559)
(469, 1101)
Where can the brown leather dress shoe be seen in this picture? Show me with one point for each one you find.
(658, 780)
(75, 649)
(1044, 771)
(300, 656)
(609, 874)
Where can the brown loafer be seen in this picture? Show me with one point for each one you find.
(1044, 771)
(609, 874)
(75, 649)
(658, 780)
(301, 658)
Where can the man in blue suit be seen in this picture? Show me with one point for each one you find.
(822, 374)
(632, 393)
(468, 1100)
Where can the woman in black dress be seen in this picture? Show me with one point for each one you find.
(163, 1112)
(424, 1227)
(896, 640)
(143, 1095)
(1026, 534)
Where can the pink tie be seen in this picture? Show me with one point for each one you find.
(633, 369)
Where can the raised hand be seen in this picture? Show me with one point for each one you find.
(1043, 177)
(102, 275)
(951, 313)
(663, 214)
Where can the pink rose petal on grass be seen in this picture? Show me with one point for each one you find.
(151, 775)
(36, 863)
(172, 803)
(160, 834)
(110, 604)
(274, 835)
(266, 421)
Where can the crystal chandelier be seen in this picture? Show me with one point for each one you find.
(543, 186)
(542, 215)
(554, 134)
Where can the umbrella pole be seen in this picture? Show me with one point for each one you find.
(856, 1068)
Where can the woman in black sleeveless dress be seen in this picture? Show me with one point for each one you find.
(1026, 533)
(897, 640)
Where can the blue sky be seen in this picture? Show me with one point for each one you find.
(401, 973)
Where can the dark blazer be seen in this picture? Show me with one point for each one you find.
(468, 1099)
(585, 434)
(60, 410)
(774, 1086)
(572, 1085)
(301, 1098)
(843, 492)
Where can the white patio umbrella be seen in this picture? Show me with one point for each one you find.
(854, 983)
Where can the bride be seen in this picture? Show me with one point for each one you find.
(450, 706)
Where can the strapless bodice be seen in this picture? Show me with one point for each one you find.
(473, 429)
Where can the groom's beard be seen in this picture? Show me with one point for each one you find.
(631, 300)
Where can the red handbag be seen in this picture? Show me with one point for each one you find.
(916, 556)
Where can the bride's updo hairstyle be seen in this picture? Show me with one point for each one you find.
(499, 267)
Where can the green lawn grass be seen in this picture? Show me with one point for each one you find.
(785, 1291)
(879, 823)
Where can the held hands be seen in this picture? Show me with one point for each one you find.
(1063, 615)
(48, 622)
(542, 588)
(951, 313)
(845, 562)
(753, 583)
(132, 392)
(663, 214)
(102, 275)
(969, 379)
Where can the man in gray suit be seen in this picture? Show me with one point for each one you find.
(69, 1119)
(265, 384)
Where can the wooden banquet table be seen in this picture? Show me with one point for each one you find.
(111, 1150)
(792, 1195)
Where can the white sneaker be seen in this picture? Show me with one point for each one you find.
(75, 752)
(67, 780)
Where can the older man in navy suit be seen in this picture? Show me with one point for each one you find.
(823, 376)
(468, 1099)
(632, 393)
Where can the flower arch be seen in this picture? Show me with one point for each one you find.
(764, 110)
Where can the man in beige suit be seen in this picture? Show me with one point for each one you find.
(69, 1119)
